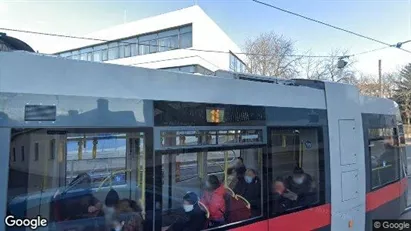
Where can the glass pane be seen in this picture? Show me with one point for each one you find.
(189, 172)
(232, 62)
(89, 56)
(186, 40)
(87, 165)
(144, 47)
(104, 54)
(75, 55)
(153, 46)
(168, 43)
(168, 33)
(188, 69)
(384, 153)
(121, 51)
(113, 51)
(295, 169)
(185, 29)
(97, 55)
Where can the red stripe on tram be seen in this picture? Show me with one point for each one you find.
(386, 194)
(308, 219)
(305, 220)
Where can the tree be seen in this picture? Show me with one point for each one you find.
(326, 68)
(368, 85)
(270, 54)
(402, 94)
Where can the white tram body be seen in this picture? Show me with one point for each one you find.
(44, 99)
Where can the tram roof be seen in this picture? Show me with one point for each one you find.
(39, 74)
(31, 73)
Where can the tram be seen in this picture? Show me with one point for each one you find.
(154, 135)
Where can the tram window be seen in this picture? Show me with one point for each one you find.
(109, 160)
(384, 156)
(295, 169)
(188, 172)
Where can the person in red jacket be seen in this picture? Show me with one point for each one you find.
(213, 199)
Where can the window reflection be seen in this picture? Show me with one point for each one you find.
(140, 45)
(384, 155)
(78, 185)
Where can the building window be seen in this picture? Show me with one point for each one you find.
(384, 156)
(36, 152)
(236, 64)
(104, 54)
(146, 44)
(89, 56)
(190, 69)
(97, 54)
(83, 55)
(75, 55)
(186, 37)
(52, 149)
(22, 153)
(168, 40)
(113, 51)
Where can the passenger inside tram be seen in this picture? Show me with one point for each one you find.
(79, 201)
(282, 199)
(253, 191)
(194, 218)
(214, 199)
(111, 202)
(132, 212)
(301, 184)
(241, 184)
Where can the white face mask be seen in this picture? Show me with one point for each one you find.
(109, 210)
(188, 208)
(298, 180)
(118, 228)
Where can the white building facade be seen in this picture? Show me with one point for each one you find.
(185, 40)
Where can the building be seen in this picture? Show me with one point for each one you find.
(8, 43)
(185, 40)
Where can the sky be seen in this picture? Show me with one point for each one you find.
(386, 20)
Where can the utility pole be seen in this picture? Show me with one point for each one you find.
(380, 76)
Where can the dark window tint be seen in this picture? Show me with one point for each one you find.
(384, 156)
(294, 150)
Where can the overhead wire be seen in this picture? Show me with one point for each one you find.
(328, 25)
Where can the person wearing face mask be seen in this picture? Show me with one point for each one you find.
(109, 207)
(214, 200)
(194, 218)
(241, 184)
(281, 198)
(253, 191)
(301, 184)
